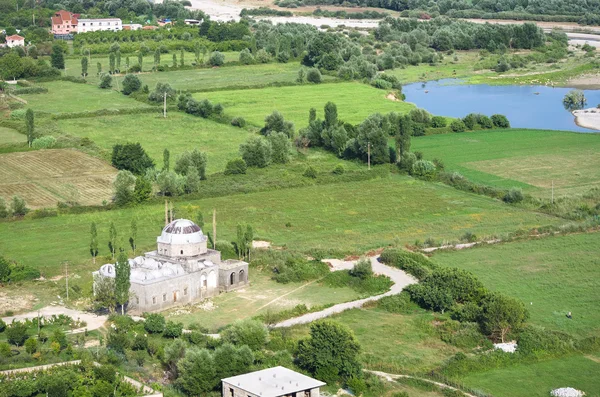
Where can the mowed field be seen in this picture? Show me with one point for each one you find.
(538, 379)
(529, 159)
(64, 96)
(355, 101)
(8, 135)
(552, 276)
(44, 177)
(353, 217)
(178, 132)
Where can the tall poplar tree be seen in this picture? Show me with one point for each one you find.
(94, 242)
(112, 239)
(29, 124)
(122, 282)
(84, 67)
(133, 237)
(166, 160)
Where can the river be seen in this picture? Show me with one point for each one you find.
(527, 106)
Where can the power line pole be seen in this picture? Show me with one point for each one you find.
(165, 106)
(67, 278)
(369, 154)
(214, 228)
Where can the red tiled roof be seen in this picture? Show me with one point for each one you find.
(15, 37)
(62, 15)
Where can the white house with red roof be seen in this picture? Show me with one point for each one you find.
(64, 22)
(15, 40)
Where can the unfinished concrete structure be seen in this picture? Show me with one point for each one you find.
(182, 270)
(271, 382)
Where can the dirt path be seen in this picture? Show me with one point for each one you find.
(392, 377)
(286, 294)
(93, 321)
(400, 279)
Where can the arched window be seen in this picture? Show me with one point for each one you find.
(232, 279)
(181, 252)
(241, 278)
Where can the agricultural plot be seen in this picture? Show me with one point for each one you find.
(8, 135)
(63, 97)
(530, 159)
(355, 101)
(178, 132)
(351, 217)
(45, 177)
(552, 276)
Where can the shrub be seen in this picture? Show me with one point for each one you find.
(381, 84)
(251, 333)
(310, 172)
(2, 325)
(256, 152)
(438, 122)
(44, 142)
(423, 169)
(246, 58)
(313, 76)
(16, 333)
(513, 196)
(140, 342)
(501, 315)
(485, 122)
(235, 166)
(399, 304)
(105, 81)
(131, 83)
(18, 114)
(469, 312)
(470, 120)
(458, 126)
(155, 323)
(262, 56)
(216, 59)
(280, 147)
(31, 345)
(500, 121)
(18, 206)
(338, 169)
(238, 122)
(173, 330)
(362, 269)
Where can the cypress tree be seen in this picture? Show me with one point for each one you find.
(122, 282)
(94, 242)
(29, 123)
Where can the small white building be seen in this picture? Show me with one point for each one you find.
(94, 25)
(132, 26)
(15, 41)
(271, 382)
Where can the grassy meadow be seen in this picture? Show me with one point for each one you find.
(8, 135)
(552, 276)
(355, 101)
(178, 132)
(538, 379)
(529, 159)
(352, 217)
(63, 97)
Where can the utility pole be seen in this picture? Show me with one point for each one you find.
(214, 228)
(369, 154)
(165, 106)
(166, 213)
(171, 210)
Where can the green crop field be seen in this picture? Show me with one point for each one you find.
(538, 379)
(63, 96)
(355, 101)
(530, 159)
(178, 132)
(552, 276)
(8, 135)
(354, 217)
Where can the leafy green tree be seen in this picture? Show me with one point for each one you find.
(281, 147)
(249, 332)
(5, 270)
(166, 159)
(501, 314)
(256, 152)
(181, 54)
(59, 337)
(3, 209)
(123, 186)
(574, 100)
(30, 126)
(112, 239)
(331, 352)
(16, 333)
(18, 206)
(174, 352)
(133, 237)
(155, 323)
(276, 123)
(197, 372)
(500, 121)
(131, 84)
(195, 159)
(142, 190)
(174, 60)
(11, 66)
(104, 293)
(141, 61)
(371, 133)
(84, 67)
(57, 57)
(122, 282)
(192, 180)
(111, 63)
(231, 361)
(31, 345)
(98, 69)
(156, 57)
(331, 115)
(403, 135)
(94, 242)
(313, 76)
(131, 157)
(236, 166)
(158, 95)
(216, 59)
(362, 269)
(173, 330)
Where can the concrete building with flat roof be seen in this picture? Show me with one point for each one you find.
(271, 382)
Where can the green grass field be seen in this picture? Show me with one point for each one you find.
(354, 217)
(8, 135)
(530, 159)
(355, 101)
(538, 379)
(552, 276)
(178, 132)
(63, 96)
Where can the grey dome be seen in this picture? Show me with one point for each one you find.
(181, 231)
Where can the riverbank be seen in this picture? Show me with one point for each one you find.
(588, 118)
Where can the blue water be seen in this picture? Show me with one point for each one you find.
(520, 104)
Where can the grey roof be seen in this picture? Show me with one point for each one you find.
(273, 382)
